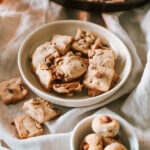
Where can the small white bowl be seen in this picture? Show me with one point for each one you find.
(69, 27)
(83, 128)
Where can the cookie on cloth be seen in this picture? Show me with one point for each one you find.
(27, 127)
(13, 90)
(45, 76)
(62, 43)
(105, 126)
(115, 146)
(40, 110)
(98, 78)
(68, 88)
(45, 54)
(92, 142)
(69, 67)
(85, 41)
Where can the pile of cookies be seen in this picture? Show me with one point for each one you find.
(38, 110)
(105, 135)
(67, 64)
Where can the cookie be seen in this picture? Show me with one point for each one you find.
(40, 110)
(69, 67)
(104, 58)
(105, 126)
(45, 76)
(13, 90)
(85, 41)
(62, 43)
(45, 54)
(98, 78)
(27, 127)
(109, 140)
(92, 142)
(68, 88)
(115, 146)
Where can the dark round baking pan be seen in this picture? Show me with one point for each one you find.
(101, 6)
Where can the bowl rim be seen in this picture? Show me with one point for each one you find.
(73, 102)
(121, 120)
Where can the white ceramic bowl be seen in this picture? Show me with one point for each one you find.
(69, 27)
(83, 128)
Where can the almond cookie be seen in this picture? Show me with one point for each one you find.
(98, 78)
(62, 43)
(45, 54)
(104, 58)
(92, 142)
(115, 146)
(40, 110)
(84, 41)
(13, 90)
(27, 127)
(110, 140)
(105, 126)
(68, 88)
(69, 67)
(45, 76)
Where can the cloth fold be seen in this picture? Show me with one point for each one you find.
(19, 18)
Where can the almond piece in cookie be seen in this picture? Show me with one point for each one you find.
(104, 58)
(45, 54)
(13, 90)
(27, 127)
(40, 110)
(45, 76)
(62, 43)
(68, 88)
(98, 78)
(69, 67)
(84, 41)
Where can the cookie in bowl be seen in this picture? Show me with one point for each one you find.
(84, 136)
(105, 126)
(65, 61)
(92, 142)
(115, 146)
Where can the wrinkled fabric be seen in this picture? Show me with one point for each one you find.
(18, 18)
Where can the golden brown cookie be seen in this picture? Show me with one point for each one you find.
(69, 67)
(104, 58)
(115, 146)
(13, 90)
(105, 126)
(45, 76)
(85, 41)
(40, 110)
(98, 78)
(44, 54)
(68, 88)
(92, 142)
(27, 127)
(62, 43)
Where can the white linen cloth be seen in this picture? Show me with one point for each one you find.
(20, 17)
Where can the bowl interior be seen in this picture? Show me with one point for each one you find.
(43, 34)
(83, 128)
